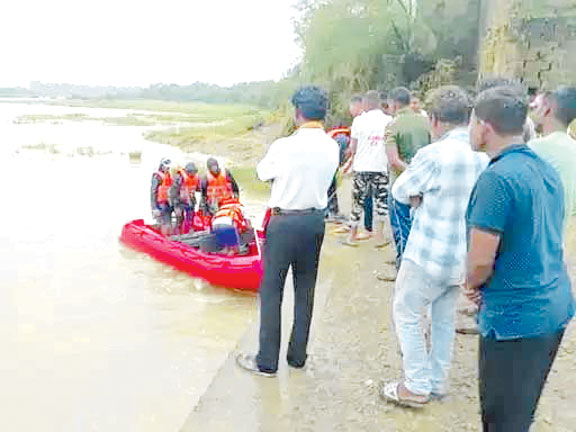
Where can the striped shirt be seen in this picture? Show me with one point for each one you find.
(443, 174)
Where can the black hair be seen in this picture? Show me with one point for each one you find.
(312, 101)
(356, 98)
(191, 167)
(400, 95)
(504, 108)
(449, 104)
(371, 99)
(565, 101)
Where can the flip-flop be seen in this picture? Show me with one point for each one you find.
(467, 330)
(348, 243)
(389, 393)
(381, 245)
(386, 278)
(341, 230)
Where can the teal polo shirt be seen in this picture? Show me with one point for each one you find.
(520, 197)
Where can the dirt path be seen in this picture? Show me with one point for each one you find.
(352, 349)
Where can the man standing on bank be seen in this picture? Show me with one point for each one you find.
(516, 270)
(370, 166)
(301, 168)
(405, 135)
(438, 183)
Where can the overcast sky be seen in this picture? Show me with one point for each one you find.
(140, 42)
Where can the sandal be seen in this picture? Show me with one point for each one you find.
(348, 243)
(470, 330)
(342, 230)
(386, 277)
(382, 244)
(389, 392)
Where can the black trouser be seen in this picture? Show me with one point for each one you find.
(512, 376)
(291, 241)
(333, 206)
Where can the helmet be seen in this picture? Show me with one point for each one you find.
(212, 165)
(165, 163)
(190, 168)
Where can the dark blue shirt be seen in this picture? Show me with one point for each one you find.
(520, 197)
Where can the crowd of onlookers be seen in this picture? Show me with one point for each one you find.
(478, 197)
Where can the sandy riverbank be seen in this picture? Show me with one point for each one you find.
(352, 349)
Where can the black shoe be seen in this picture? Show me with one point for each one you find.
(248, 362)
(297, 365)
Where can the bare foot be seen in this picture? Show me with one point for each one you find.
(362, 236)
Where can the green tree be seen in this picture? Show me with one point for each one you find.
(354, 45)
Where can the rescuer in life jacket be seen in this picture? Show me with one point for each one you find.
(231, 228)
(186, 183)
(159, 196)
(215, 186)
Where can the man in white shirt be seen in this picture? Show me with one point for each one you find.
(370, 165)
(301, 168)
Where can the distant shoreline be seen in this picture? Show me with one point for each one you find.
(239, 133)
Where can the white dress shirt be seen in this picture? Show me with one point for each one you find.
(301, 168)
(370, 131)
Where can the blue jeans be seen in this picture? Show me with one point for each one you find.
(226, 235)
(368, 212)
(401, 223)
(425, 372)
(165, 214)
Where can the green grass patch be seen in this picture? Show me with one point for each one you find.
(191, 122)
(248, 180)
(198, 110)
(43, 118)
(217, 130)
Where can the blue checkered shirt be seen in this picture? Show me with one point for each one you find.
(443, 174)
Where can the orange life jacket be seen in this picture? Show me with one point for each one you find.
(337, 131)
(189, 185)
(165, 185)
(231, 208)
(218, 188)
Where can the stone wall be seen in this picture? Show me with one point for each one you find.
(531, 39)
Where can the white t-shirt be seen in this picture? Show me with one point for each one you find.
(370, 131)
(301, 168)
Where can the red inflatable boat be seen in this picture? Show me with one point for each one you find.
(242, 272)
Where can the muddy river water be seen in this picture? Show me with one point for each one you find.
(95, 336)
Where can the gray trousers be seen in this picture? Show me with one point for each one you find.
(291, 241)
